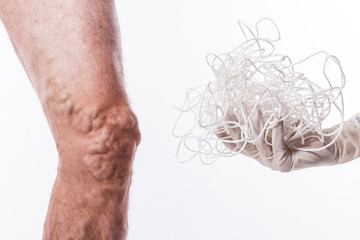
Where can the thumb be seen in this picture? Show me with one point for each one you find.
(282, 161)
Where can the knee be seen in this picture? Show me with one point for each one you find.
(104, 133)
(112, 139)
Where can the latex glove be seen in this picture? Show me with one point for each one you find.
(282, 157)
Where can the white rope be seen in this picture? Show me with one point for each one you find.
(254, 75)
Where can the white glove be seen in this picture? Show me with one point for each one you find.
(284, 158)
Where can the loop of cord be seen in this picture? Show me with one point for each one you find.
(254, 76)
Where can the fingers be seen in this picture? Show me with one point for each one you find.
(264, 149)
(282, 160)
(278, 137)
(223, 135)
(233, 130)
(235, 133)
(277, 157)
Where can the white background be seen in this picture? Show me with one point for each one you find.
(164, 45)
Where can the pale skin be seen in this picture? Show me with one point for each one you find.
(71, 52)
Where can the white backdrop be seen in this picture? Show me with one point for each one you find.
(164, 48)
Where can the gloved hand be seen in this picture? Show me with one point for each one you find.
(285, 158)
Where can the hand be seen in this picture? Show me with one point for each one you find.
(282, 156)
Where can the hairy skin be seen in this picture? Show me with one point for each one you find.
(71, 52)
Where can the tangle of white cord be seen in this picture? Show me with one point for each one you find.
(250, 76)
